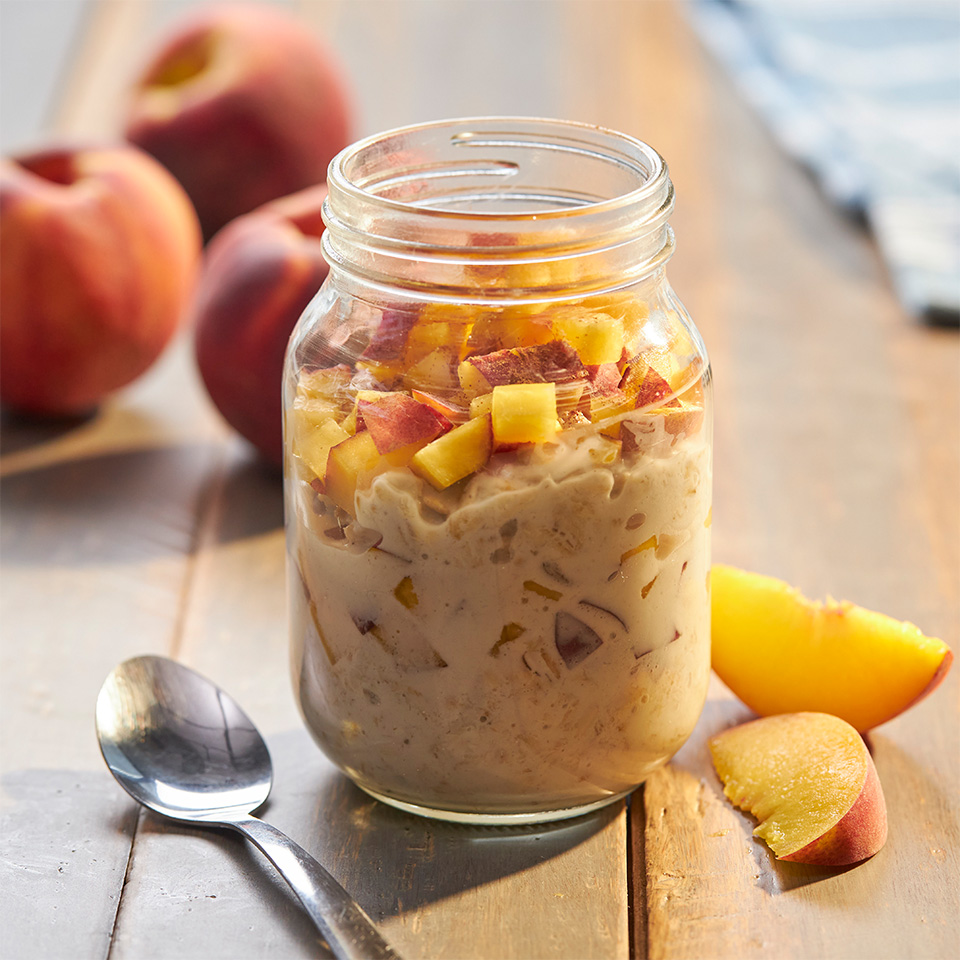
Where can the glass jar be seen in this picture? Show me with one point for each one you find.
(498, 473)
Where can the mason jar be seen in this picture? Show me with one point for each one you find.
(498, 473)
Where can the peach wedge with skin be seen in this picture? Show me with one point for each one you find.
(781, 653)
(811, 783)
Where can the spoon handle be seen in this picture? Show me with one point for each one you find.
(346, 928)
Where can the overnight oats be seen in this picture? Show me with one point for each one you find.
(498, 474)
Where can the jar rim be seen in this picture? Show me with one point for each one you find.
(406, 209)
(645, 162)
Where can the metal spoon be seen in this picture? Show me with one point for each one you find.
(179, 745)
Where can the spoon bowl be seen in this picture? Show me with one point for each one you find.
(182, 747)
(178, 744)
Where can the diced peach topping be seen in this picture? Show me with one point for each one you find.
(329, 384)
(455, 455)
(447, 384)
(448, 407)
(597, 337)
(644, 384)
(425, 337)
(313, 446)
(472, 381)
(396, 420)
(434, 371)
(481, 405)
(499, 331)
(524, 413)
(347, 463)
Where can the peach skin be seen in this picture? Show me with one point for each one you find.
(101, 249)
(243, 104)
(259, 274)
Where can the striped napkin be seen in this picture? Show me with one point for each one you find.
(866, 93)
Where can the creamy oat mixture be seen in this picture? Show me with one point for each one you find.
(538, 641)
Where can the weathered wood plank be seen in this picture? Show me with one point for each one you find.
(713, 890)
(836, 469)
(66, 841)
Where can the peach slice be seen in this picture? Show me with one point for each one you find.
(781, 653)
(810, 781)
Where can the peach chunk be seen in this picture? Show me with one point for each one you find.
(644, 384)
(781, 653)
(389, 340)
(397, 420)
(444, 405)
(313, 447)
(455, 455)
(597, 337)
(329, 384)
(431, 333)
(347, 463)
(434, 372)
(506, 329)
(525, 413)
(810, 781)
(481, 405)
(556, 361)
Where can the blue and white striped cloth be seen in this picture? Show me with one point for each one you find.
(866, 93)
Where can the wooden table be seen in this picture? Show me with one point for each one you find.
(150, 528)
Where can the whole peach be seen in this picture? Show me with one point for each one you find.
(243, 104)
(259, 274)
(100, 253)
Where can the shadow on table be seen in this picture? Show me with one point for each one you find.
(251, 498)
(393, 862)
(122, 506)
(20, 431)
(135, 505)
(390, 862)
